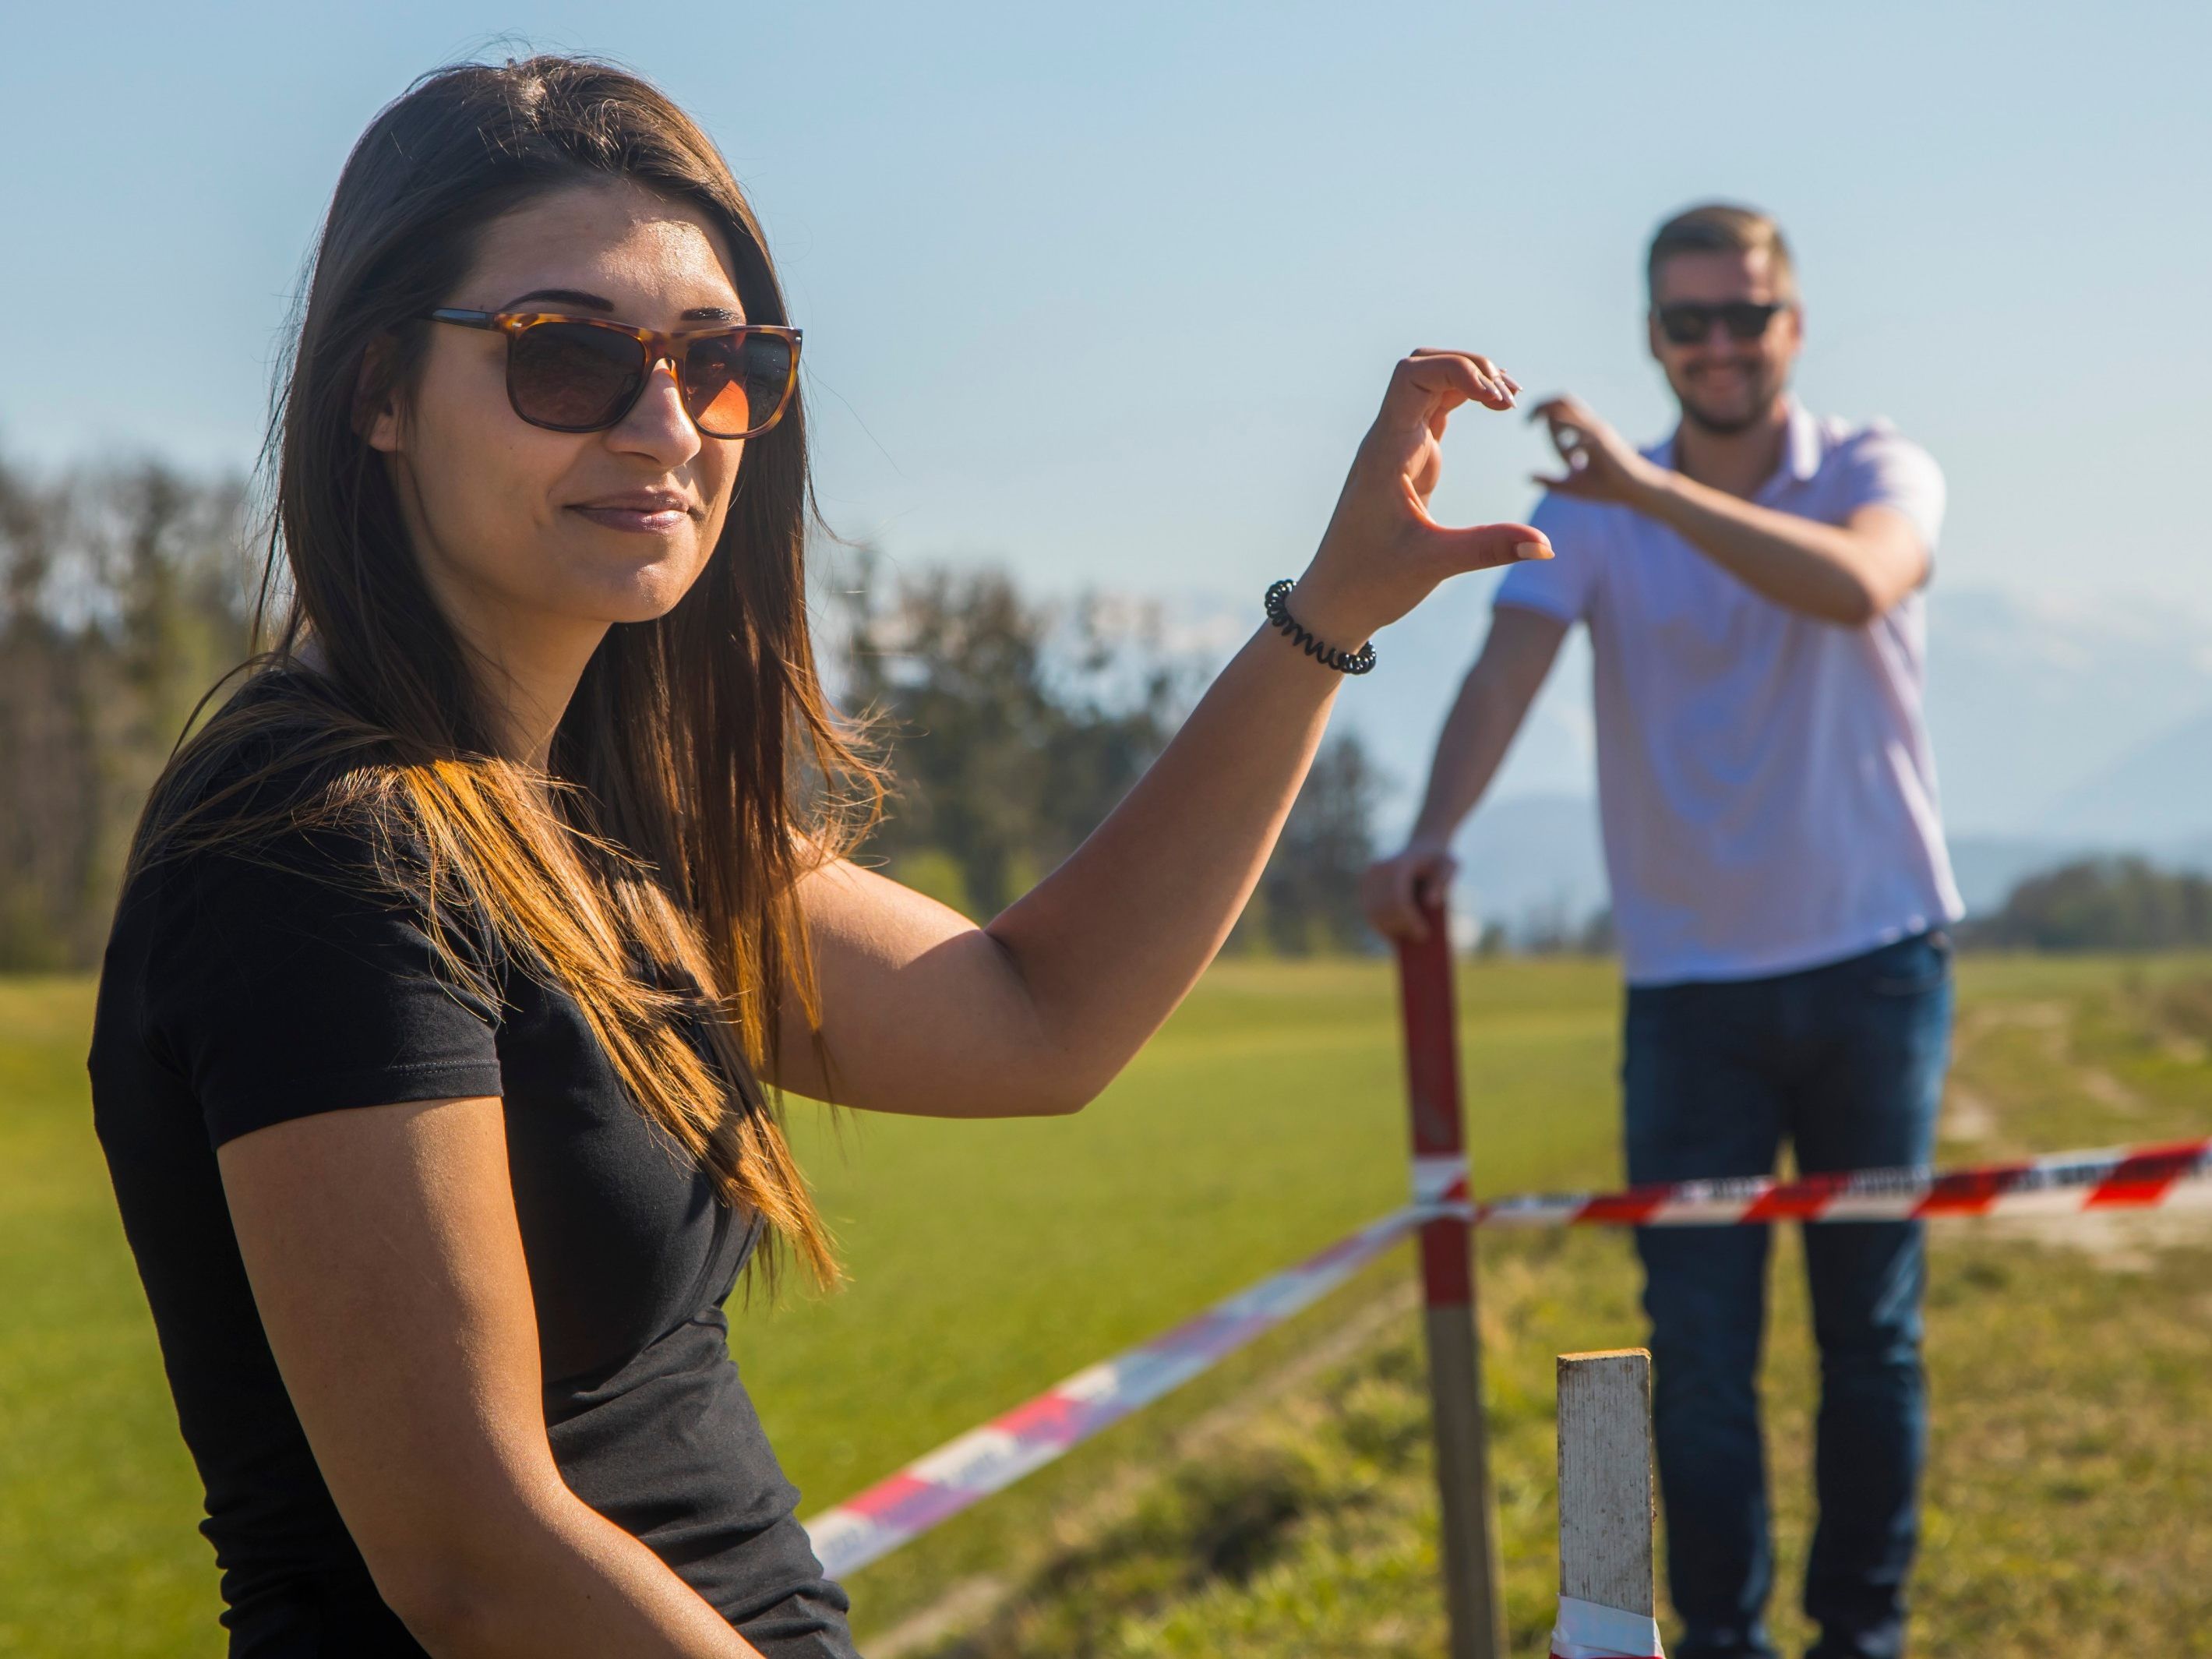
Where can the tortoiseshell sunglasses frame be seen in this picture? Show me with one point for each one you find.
(659, 345)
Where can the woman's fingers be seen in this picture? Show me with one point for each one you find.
(1486, 546)
(1428, 384)
(1383, 553)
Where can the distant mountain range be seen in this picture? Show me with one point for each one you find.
(2075, 719)
(2160, 791)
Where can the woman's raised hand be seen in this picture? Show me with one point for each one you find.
(1037, 1013)
(1382, 554)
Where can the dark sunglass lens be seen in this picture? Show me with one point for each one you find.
(572, 375)
(1745, 321)
(1684, 323)
(735, 383)
(768, 362)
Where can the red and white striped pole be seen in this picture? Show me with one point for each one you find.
(1469, 1548)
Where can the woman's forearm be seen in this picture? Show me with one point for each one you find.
(571, 1584)
(1107, 945)
(922, 1012)
(1110, 942)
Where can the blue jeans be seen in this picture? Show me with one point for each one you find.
(1846, 1062)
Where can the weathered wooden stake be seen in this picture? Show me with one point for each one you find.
(1469, 1544)
(1605, 1504)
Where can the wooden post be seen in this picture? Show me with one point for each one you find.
(1605, 1504)
(1469, 1541)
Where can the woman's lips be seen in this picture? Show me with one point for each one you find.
(652, 521)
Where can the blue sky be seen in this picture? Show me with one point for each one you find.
(1109, 292)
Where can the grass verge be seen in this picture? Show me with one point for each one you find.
(1280, 1504)
(2070, 1371)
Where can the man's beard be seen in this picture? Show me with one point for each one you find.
(1727, 426)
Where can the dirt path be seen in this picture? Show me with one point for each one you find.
(2119, 1241)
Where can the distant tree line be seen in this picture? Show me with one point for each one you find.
(2101, 904)
(1012, 725)
(2120, 904)
(1015, 725)
(121, 599)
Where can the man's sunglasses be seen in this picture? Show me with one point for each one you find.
(1686, 322)
(583, 374)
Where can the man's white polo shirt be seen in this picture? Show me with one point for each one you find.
(1765, 780)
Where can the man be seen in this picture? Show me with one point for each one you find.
(1780, 886)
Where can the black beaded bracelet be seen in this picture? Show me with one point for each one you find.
(1278, 603)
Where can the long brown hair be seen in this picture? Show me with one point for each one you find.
(699, 769)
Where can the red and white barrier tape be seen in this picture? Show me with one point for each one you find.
(986, 1460)
(2065, 1183)
(958, 1474)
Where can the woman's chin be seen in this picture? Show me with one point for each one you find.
(642, 606)
(625, 592)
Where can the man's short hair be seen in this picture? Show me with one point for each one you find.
(1722, 228)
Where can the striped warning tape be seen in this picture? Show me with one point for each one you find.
(985, 1460)
(960, 1472)
(2065, 1183)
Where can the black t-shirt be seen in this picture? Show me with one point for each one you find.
(237, 993)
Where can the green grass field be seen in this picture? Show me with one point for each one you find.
(1278, 1505)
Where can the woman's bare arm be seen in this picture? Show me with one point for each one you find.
(924, 1012)
(388, 1266)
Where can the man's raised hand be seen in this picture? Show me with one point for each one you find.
(1382, 554)
(1601, 465)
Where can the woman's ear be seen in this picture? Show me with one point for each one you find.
(375, 403)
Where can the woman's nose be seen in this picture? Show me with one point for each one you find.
(659, 419)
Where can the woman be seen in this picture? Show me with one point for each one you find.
(465, 949)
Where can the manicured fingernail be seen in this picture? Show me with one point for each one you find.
(1532, 551)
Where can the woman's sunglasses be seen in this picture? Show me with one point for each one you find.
(582, 375)
(1688, 321)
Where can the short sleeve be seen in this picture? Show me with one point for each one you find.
(1882, 468)
(288, 983)
(1563, 586)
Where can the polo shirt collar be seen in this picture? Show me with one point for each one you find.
(1801, 447)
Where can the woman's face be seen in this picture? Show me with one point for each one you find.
(535, 541)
